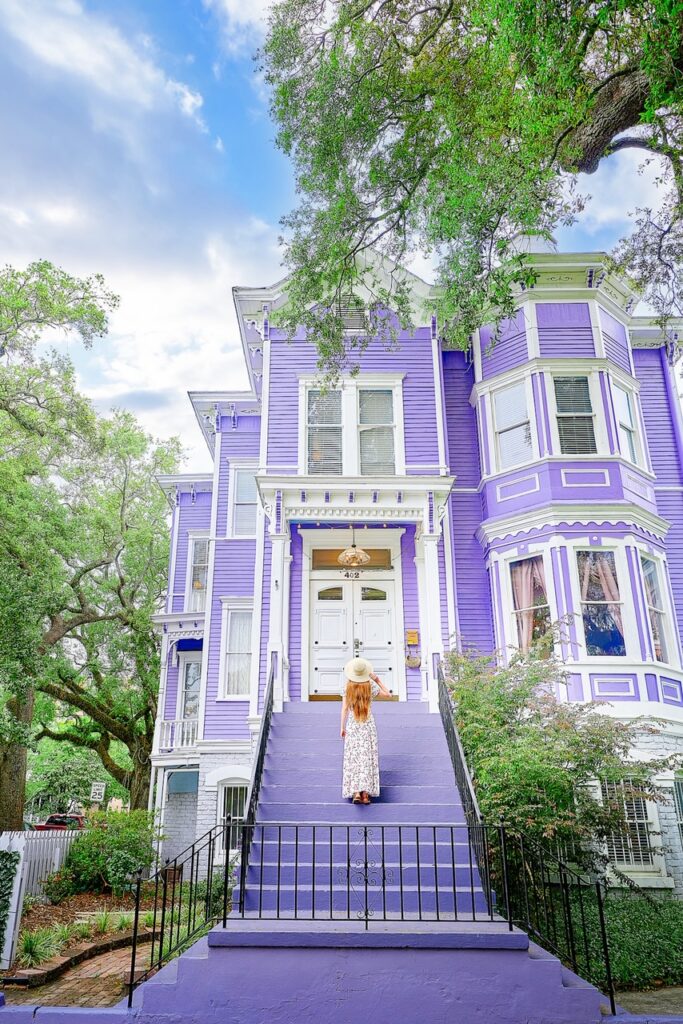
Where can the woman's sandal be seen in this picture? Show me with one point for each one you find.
(365, 798)
(357, 798)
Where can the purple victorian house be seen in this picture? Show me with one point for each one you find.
(495, 491)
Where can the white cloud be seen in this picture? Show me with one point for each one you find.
(219, 145)
(65, 37)
(620, 185)
(243, 22)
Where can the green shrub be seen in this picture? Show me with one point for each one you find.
(115, 845)
(83, 930)
(124, 923)
(148, 919)
(63, 934)
(103, 922)
(59, 885)
(36, 947)
(645, 939)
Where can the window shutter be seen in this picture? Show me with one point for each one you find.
(376, 425)
(351, 311)
(575, 416)
(324, 433)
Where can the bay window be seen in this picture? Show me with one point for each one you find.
(575, 424)
(623, 407)
(199, 574)
(512, 426)
(601, 604)
(324, 432)
(655, 607)
(530, 600)
(376, 431)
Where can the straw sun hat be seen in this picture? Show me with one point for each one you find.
(358, 670)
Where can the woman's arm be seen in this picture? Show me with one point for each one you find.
(383, 690)
(344, 715)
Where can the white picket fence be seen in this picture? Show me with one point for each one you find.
(41, 854)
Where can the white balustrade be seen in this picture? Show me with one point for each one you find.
(178, 734)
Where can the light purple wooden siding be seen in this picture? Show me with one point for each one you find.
(616, 342)
(473, 594)
(412, 356)
(233, 576)
(171, 686)
(661, 419)
(190, 516)
(564, 329)
(508, 351)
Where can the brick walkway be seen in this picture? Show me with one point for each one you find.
(96, 982)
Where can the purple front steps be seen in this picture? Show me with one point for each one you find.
(263, 970)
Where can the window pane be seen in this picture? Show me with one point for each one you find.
(652, 591)
(577, 436)
(510, 406)
(234, 802)
(238, 674)
(376, 406)
(598, 576)
(514, 445)
(572, 395)
(328, 558)
(191, 678)
(239, 640)
(632, 847)
(200, 571)
(627, 444)
(532, 613)
(604, 634)
(324, 408)
(245, 486)
(653, 597)
(622, 405)
(324, 450)
(244, 520)
(372, 594)
(377, 451)
(331, 594)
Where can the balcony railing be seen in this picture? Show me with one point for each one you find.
(178, 734)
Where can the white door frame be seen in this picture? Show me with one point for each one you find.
(341, 538)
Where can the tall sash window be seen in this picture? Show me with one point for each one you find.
(244, 503)
(601, 603)
(238, 653)
(324, 432)
(530, 600)
(376, 432)
(199, 574)
(513, 429)
(655, 607)
(623, 406)
(575, 416)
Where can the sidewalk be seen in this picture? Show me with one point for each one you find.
(96, 982)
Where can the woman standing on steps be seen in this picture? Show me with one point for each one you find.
(361, 756)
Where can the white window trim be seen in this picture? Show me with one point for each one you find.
(494, 453)
(599, 412)
(236, 466)
(507, 597)
(230, 604)
(637, 437)
(349, 387)
(184, 658)
(192, 536)
(626, 600)
(667, 609)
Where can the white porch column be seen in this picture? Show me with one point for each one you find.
(279, 599)
(433, 647)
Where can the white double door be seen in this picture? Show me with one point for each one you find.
(351, 618)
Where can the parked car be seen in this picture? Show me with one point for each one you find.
(62, 822)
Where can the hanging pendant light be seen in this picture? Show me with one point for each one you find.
(353, 557)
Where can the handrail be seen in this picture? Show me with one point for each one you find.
(255, 785)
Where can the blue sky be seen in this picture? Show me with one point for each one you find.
(137, 143)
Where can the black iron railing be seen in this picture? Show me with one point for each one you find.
(255, 787)
(180, 902)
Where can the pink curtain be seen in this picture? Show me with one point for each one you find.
(524, 576)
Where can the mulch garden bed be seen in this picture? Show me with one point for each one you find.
(32, 977)
(82, 905)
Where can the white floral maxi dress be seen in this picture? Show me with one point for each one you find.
(361, 755)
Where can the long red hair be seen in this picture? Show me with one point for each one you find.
(358, 699)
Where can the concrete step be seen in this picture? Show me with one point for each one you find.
(321, 708)
(312, 775)
(422, 813)
(287, 899)
(284, 792)
(301, 874)
(420, 764)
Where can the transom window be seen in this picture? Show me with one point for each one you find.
(238, 652)
(575, 416)
(376, 431)
(244, 503)
(601, 604)
(513, 429)
(199, 574)
(655, 607)
(632, 848)
(623, 405)
(324, 432)
(530, 600)
(328, 558)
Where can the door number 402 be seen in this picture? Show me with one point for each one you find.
(352, 575)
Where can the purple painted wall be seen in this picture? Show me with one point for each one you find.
(191, 516)
(564, 329)
(412, 356)
(663, 425)
(233, 576)
(616, 342)
(507, 351)
(473, 593)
